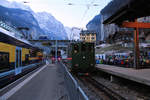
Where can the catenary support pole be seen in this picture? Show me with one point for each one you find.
(136, 47)
(56, 51)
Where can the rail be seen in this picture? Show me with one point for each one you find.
(99, 88)
(74, 90)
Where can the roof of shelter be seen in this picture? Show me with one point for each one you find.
(131, 10)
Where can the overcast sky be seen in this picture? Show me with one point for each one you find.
(75, 15)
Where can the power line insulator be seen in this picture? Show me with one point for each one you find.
(70, 4)
(95, 5)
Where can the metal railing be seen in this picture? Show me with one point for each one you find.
(74, 90)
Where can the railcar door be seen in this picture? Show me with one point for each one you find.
(18, 62)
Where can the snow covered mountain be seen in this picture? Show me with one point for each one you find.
(45, 23)
(68, 31)
(50, 25)
(14, 4)
(73, 33)
(20, 18)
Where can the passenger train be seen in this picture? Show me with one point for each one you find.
(17, 57)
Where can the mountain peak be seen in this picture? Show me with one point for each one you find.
(14, 4)
(36, 21)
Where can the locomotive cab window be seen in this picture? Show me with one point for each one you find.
(76, 48)
(90, 48)
(4, 61)
(83, 47)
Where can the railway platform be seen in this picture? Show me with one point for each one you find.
(140, 76)
(47, 83)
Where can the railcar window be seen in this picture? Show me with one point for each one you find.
(4, 61)
(83, 47)
(26, 59)
(20, 60)
(33, 53)
(76, 48)
(17, 58)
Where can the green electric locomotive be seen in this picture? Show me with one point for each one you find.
(83, 57)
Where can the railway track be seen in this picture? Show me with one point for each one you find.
(101, 90)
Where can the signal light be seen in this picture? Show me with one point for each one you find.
(69, 58)
(86, 74)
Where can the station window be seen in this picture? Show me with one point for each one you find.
(4, 61)
(92, 34)
(92, 38)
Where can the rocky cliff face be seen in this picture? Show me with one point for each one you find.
(95, 25)
(111, 8)
(42, 23)
(105, 30)
(106, 12)
(50, 25)
(20, 18)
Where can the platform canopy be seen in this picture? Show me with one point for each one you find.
(129, 11)
(5, 38)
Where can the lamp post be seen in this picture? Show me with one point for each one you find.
(56, 50)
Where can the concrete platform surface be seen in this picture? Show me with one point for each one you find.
(137, 75)
(46, 85)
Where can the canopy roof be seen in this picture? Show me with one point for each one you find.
(13, 41)
(130, 11)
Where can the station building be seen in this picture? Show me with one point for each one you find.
(87, 36)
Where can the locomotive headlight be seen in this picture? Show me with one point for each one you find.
(83, 57)
(75, 51)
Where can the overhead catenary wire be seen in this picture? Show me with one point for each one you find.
(88, 7)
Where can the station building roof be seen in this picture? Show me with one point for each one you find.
(131, 10)
(87, 32)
